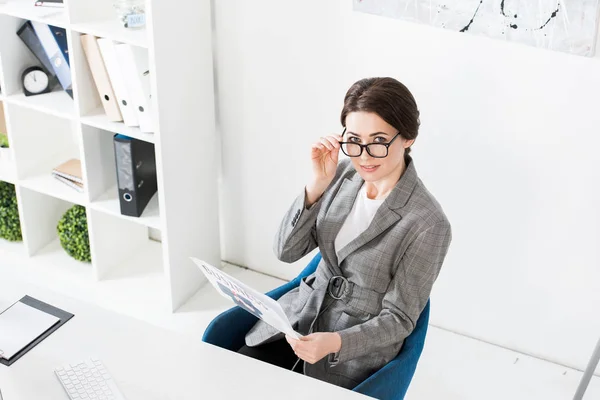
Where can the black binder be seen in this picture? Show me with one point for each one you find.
(47, 308)
(30, 38)
(136, 174)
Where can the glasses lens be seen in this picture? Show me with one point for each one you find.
(377, 150)
(351, 149)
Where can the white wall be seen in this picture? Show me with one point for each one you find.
(508, 145)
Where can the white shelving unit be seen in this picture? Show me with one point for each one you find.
(48, 129)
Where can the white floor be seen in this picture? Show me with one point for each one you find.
(453, 367)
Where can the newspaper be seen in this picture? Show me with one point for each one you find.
(254, 302)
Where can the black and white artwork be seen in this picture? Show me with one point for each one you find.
(562, 25)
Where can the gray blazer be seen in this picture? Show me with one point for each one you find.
(383, 278)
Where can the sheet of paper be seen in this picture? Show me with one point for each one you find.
(20, 325)
(254, 302)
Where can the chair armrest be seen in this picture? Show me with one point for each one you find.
(229, 328)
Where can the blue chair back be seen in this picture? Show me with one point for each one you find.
(229, 329)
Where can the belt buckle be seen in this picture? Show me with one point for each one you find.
(343, 285)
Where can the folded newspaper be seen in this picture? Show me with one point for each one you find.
(254, 302)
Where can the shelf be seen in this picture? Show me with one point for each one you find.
(25, 9)
(109, 203)
(48, 185)
(111, 29)
(57, 103)
(12, 247)
(137, 285)
(128, 264)
(54, 260)
(98, 119)
(49, 129)
(7, 171)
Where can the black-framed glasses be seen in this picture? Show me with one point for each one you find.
(375, 150)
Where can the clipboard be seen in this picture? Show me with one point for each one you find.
(47, 308)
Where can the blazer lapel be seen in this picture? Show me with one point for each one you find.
(336, 215)
(387, 214)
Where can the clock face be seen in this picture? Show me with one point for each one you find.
(35, 81)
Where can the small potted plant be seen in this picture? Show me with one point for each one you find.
(73, 234)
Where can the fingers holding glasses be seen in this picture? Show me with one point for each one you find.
(327, 144)
(330, 142)
(324, 155)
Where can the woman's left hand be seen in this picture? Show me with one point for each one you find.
(315, 346)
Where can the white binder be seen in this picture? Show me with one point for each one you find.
(111, 62)
(134, 66)
(100, 76)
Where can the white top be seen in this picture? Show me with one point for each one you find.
(360, 217)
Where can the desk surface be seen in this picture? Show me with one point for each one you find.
(147, 362)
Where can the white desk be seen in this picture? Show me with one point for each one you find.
(147, 362)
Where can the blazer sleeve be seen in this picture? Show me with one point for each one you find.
(406, 296)
(297, 235)
(297, 232)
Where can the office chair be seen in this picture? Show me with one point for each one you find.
(229, 329)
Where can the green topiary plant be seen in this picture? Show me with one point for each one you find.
(73, 233)
(10, 226)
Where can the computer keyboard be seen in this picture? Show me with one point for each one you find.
(88, 380)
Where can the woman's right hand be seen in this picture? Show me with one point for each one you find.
(324, 154)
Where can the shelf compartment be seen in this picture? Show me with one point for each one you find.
(40, 216)
(127, 262)
(101, 172)
(42, 142)
(91, 108)
(16, 57)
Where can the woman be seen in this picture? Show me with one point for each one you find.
(382, 235)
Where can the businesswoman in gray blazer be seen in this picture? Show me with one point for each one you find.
(382, 235)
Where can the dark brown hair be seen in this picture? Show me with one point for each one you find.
(389, 99)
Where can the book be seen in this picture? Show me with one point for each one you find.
(72, 184)
(256, 303)
(70, 170)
